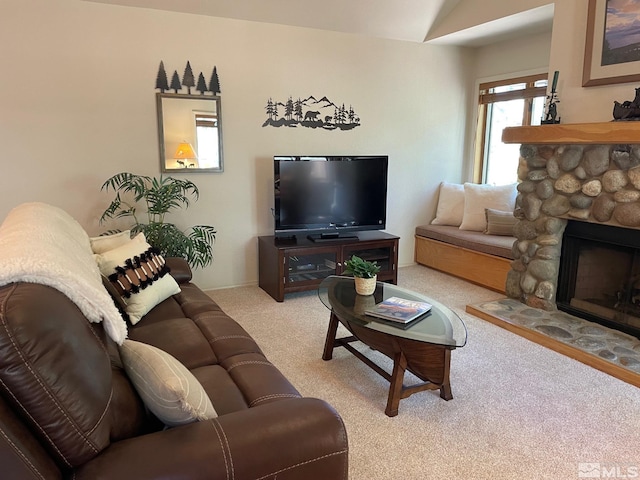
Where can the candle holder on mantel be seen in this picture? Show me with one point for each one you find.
(551, 102)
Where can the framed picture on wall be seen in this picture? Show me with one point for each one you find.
(612, 47)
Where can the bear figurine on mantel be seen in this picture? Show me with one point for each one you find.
(628, 110)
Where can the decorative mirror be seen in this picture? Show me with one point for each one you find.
(189, 133)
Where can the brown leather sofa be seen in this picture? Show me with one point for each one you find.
(57, 371)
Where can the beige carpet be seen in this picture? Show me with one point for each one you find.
(520, 411)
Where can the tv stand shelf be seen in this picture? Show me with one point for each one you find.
(288, 265)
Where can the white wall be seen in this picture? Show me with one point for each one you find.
(471, 13)
(78, 105)
(516, 57)
(503, 59)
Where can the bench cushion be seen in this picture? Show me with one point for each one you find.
(499, 246)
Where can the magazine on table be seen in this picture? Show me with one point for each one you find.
(399, 309)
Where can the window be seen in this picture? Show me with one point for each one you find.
(506, 103)
(207, 138)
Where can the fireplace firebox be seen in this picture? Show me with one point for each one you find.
(599, 276)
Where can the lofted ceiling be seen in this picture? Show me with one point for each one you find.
(407, 20)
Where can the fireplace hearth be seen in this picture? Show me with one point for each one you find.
(599, 277)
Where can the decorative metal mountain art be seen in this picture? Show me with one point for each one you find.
(310, 113)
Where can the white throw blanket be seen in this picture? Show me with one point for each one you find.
(43, 244)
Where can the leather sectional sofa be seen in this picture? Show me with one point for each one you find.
(68, 408)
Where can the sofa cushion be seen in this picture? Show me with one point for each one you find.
(477, 197)
(450, 205)
(500, 246)
(139, 273)
(216, 349)
(167, 388)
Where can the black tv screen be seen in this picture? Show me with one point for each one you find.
(330, 196)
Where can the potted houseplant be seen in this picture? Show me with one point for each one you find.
(365, 274)
(160, 196)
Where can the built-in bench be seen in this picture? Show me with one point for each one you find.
(475, 256)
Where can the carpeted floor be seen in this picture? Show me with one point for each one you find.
(519, 409)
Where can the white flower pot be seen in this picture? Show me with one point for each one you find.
(365, 286)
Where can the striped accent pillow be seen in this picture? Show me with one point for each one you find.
(165, 385)
(499, 222)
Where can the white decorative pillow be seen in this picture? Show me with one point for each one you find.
(477, 197)
(450, 205)
(499, 222)
(104, 243)
(166, 386)
(139, 274)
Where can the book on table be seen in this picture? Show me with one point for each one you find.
(399, 309)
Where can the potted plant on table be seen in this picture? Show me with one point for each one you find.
(161, 196)
(365, 274)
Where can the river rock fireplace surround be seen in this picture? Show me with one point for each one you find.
(584, 173)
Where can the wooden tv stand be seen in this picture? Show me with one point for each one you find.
(287, 266)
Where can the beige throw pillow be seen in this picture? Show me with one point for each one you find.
(450, 205)
(499, 222)
(166, 386)
(104, 243)
(477, 197)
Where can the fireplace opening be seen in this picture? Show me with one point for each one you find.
(599, 275)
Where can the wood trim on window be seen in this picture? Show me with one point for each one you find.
(530, 90)
(485, 98)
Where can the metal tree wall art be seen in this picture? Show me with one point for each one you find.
(310, 113)
(188, 80)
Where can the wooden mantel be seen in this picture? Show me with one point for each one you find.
(575, 133)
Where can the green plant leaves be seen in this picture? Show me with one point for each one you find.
(358, 267)
(160, 196)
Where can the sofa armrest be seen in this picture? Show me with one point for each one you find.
(288, 439)
(180, 269)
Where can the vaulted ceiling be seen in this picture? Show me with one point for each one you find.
(408, 20)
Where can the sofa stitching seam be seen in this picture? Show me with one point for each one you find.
(227, 337)
(21, 454)
(250, 362)
(28, 414)
(272, 396)
(228, 448)
(104, 413)
(306, 462)
(215, 424)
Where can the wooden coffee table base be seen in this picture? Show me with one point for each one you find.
(428, 362)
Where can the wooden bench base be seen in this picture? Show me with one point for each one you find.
(486, 270)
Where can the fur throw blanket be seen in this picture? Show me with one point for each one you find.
(43, 244)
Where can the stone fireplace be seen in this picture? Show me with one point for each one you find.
(583, 173)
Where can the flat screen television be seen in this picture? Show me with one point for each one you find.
(329, 197)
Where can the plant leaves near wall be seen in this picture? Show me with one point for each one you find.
(160, 196)
(310, 113)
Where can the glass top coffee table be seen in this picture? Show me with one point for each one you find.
(422, 347)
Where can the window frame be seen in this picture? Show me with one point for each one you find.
(486, 97)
